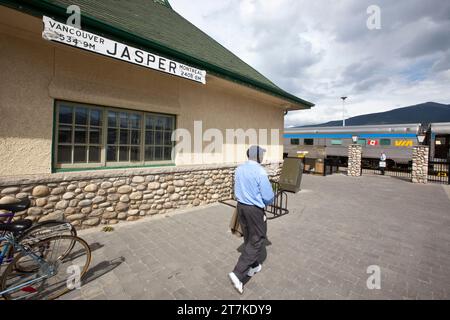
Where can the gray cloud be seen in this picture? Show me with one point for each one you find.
(321, 50)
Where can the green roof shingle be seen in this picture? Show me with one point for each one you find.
(155, 25)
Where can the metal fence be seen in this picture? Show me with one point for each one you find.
(439, 171)
(372, 166)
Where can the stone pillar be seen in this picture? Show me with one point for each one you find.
(354, 160)
(420, 164)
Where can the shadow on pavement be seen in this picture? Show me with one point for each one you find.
(102, 268)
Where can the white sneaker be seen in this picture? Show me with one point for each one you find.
(251, 272)
(236, 282)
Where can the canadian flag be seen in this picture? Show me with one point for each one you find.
(372, 142)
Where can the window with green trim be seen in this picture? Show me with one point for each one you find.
(362, 142)
(336, 142)
(295, 141)
(92, 136)
(385, 142)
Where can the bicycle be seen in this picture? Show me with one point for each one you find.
(46, 228)
(52, 269)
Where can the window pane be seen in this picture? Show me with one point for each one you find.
(80, 135)
(135, 154)
(309, 142)
(158, 153)
(135, 121)
(160, 123)
(112, 119)
(94, 154)
(65, 114)
(295, 141)
(135, 137)
(385, 142)
(79, 154)
(167, 153)
(124, 154)
(158, 138)
(336, 142)
(94, 136)
(167, 138)
(150, 122)
(168, 123)
(64, 154)
(123, 120)
(149, 137)
(111, 154)
(112, 136)
(149, 151)
(65, 134)
(124, 137)
(362, 142)
(96, 118)
(81, 116)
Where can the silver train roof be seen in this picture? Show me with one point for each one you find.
(385, 128)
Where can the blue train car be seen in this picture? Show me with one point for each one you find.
(396, 141)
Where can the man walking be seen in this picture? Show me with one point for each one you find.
(253, 193)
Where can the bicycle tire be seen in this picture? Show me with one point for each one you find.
(27, 233)
(9, 271)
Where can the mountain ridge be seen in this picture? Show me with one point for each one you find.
(427, 112)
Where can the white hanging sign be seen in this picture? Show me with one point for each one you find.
(60, 32)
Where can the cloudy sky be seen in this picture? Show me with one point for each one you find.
(322, 50)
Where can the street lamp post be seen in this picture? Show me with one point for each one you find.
(343, 110)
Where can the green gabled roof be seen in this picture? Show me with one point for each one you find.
(154, 25)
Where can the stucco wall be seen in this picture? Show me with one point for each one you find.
(35, 72)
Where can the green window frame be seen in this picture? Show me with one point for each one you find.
(336, 142)
(91, 136)
(385, 142)
(362, 142)
(295, 142)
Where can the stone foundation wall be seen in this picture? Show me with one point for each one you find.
(107, 197)
(354, 160)
(420, 164)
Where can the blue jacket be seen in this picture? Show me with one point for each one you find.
(252, 185)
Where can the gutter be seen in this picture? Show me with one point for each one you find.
(39, 8)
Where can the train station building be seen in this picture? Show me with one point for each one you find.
(87, 115)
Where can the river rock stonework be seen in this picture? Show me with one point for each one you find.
(420, 164)
(88, 199)
(354, 160)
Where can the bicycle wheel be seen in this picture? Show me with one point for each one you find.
(54, 271)
(41, 231)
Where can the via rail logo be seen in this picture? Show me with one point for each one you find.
(403, 143)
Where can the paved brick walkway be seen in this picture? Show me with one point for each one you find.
(338, 226)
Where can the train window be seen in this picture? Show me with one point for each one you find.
(336, 142)
(362, 142)
(295, 141)
(385, 142)
(309, 142)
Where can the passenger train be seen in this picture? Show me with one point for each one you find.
(395, 140)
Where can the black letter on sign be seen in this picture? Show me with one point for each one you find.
(127, 53)
(172, 67)
(161, 64)
(150, 59)
(115, 50)
(139, 55)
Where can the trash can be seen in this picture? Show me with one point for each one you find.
(291, 175)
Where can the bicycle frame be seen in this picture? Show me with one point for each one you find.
(9, 238)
